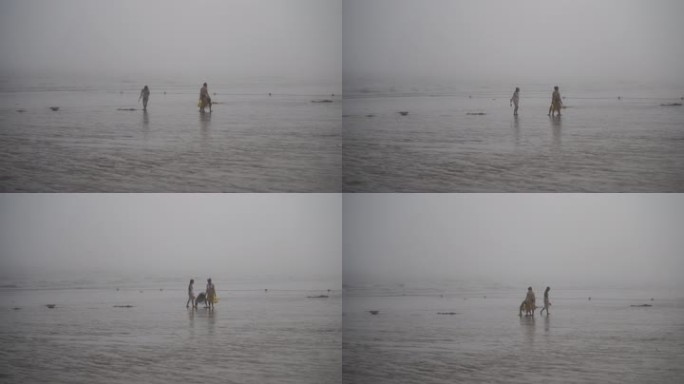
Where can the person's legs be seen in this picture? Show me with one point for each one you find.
(515, 111)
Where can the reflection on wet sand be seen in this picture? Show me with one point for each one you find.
(145, 125)
(205, 120)
(205, 125)
(191, 317)
(527, 324)
(556, 127)
(211, 321)
(516, 130)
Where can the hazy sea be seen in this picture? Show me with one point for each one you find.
(251, 142)
(602, 340)
(252, 336)
(600, 144)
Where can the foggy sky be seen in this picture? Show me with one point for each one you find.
(514, 40)
(231, 37)
(573, 239)
(233, 235)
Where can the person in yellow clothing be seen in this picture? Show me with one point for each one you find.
(529, 304)
(204, 99)
(556, 102)
(211, 294)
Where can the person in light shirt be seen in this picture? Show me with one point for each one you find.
(145, 96)
(515, 99)
(547, 303)
(191, 295)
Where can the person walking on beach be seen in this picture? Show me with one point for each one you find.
(191, 295)
(556, 102)
(528, 304)
(144, 95)
(211, 294)
(204, 98)
(514, 100)
(547, 303)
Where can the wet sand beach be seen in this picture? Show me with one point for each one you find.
(251, 142)
(456, 143)
(91, 335)
(420, 336)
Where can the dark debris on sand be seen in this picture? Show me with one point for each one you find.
(318, 297)
(124, 306)
(373, 312)
(475, 113)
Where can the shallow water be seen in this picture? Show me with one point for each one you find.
(603, 340)
(600, 144)
(250, 337)
(251, 142)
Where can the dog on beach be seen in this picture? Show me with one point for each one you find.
(205, 103)
(202, 298)
(528, 307)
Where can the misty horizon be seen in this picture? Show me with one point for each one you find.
(299, 39)
(550, 239)
(400, 43)
(233, 236)
(518, 42)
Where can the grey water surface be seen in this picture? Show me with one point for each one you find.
(252, 336)
(468, 334)
(250, 142)
(467, 140)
